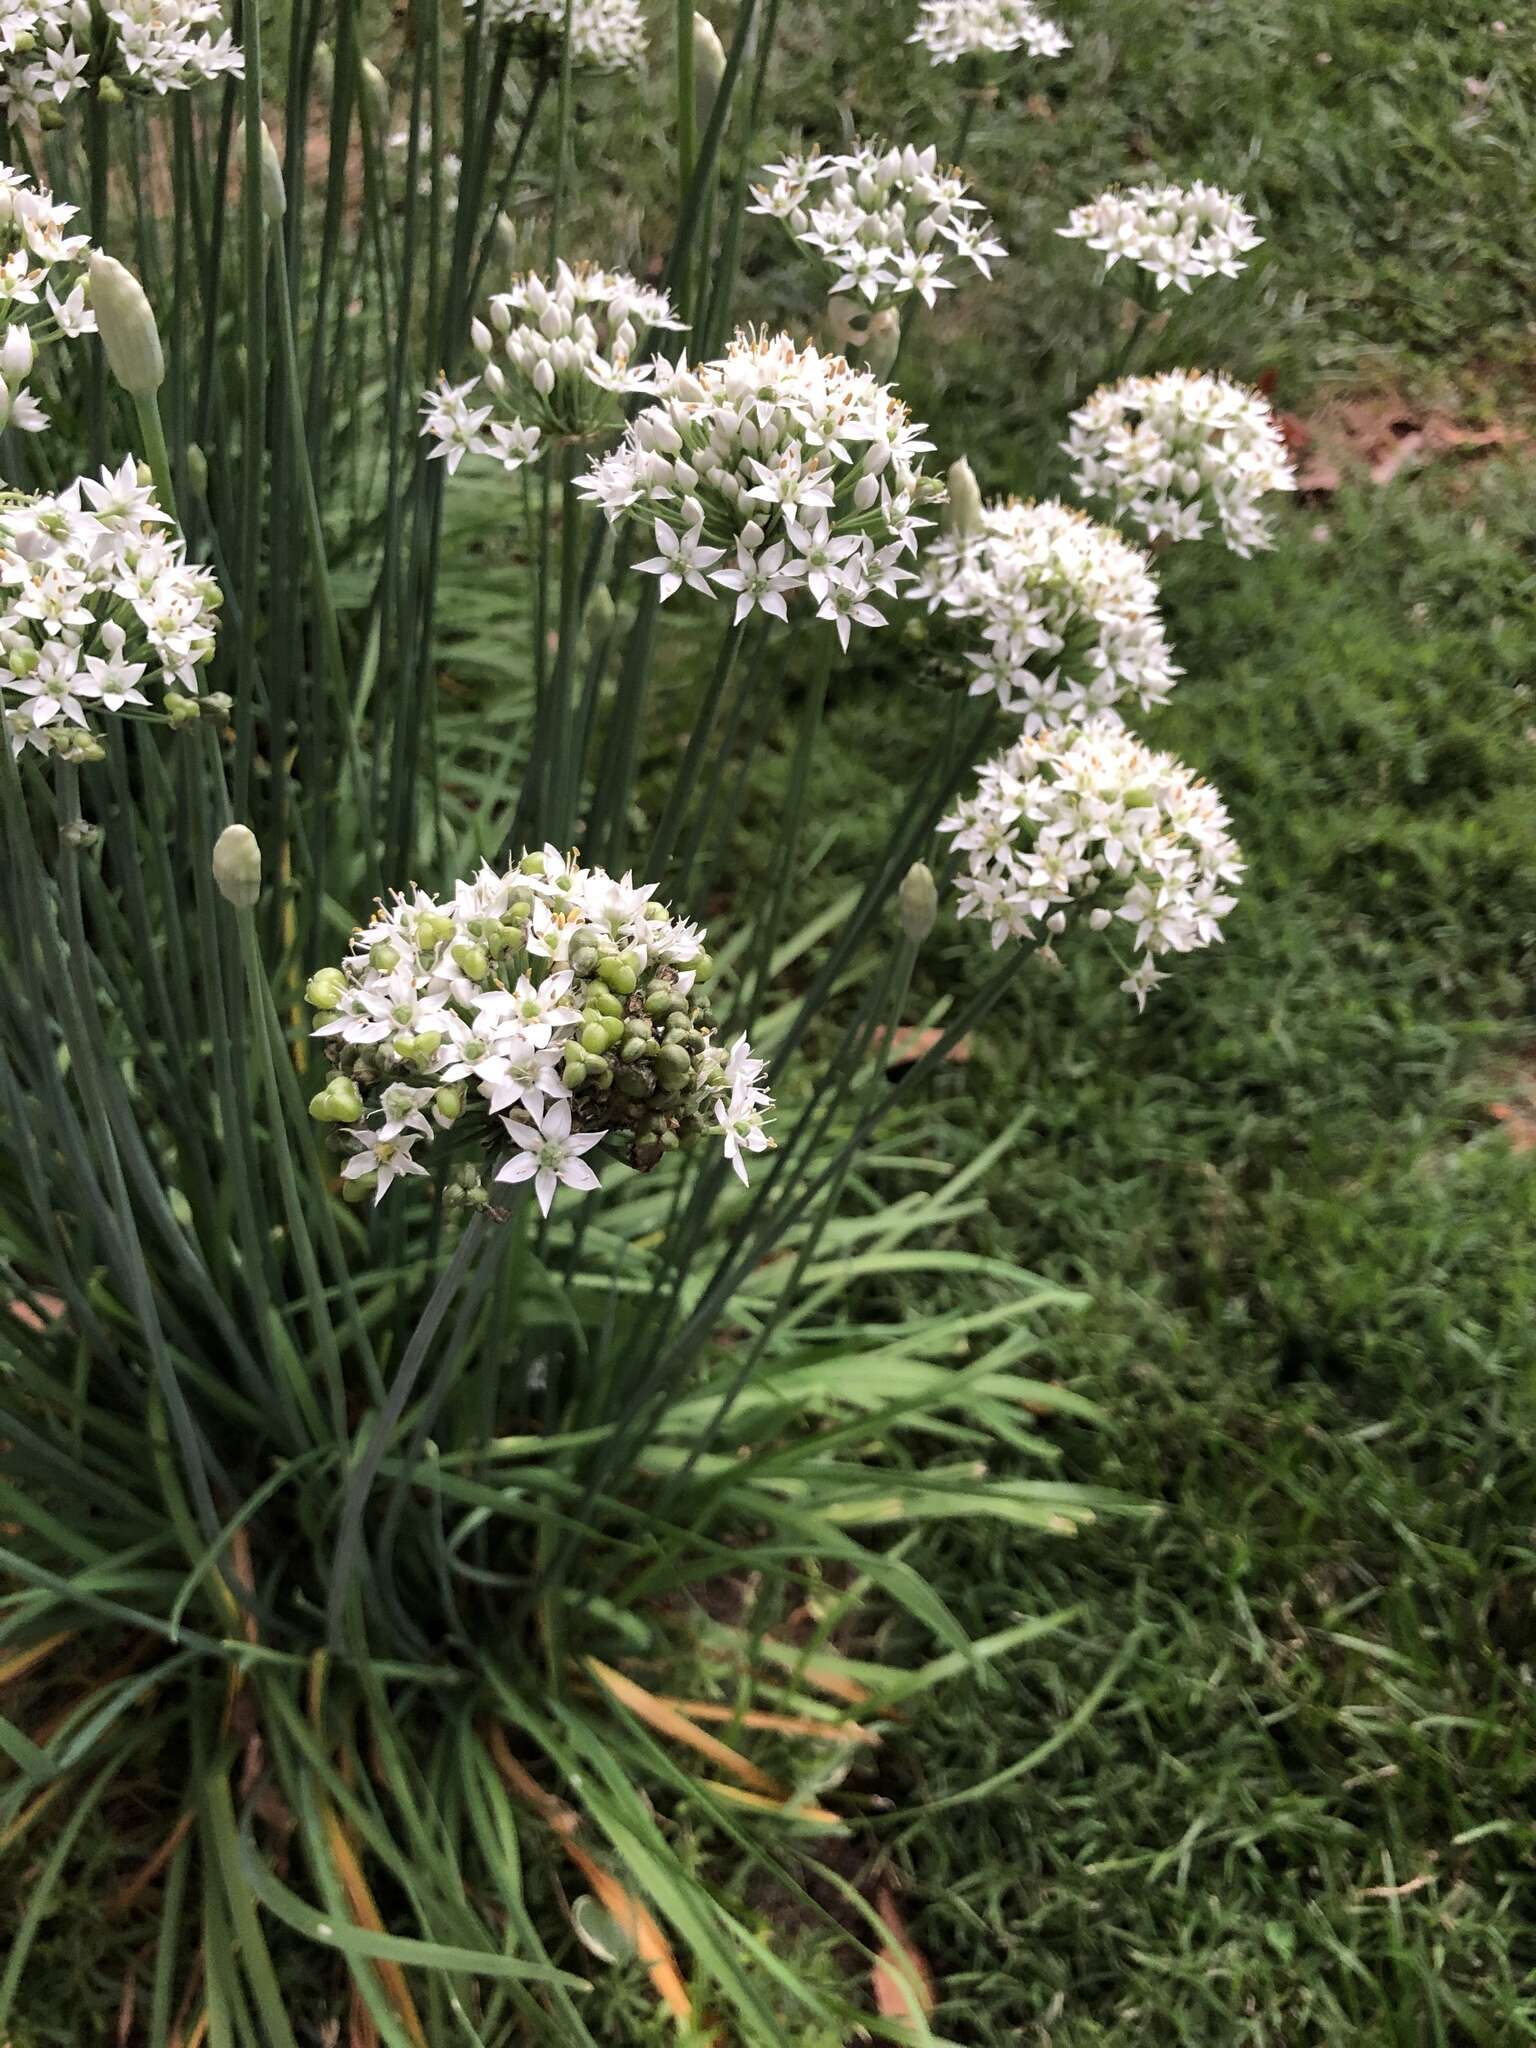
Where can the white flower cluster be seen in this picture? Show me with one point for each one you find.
(1090, 816)
(97, 599)
(558, 361)
(42, 290)
(771, 471)
(606, 35)
(1176, 451)
(951, 29)
(533, 1015)
(52, 49)
(884, 221)
(1176, 233)
(1068, 610)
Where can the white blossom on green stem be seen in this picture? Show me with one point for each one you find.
(545, 1008)
(951, 29)
(1177, 234)
(769, 472)
(606, 35)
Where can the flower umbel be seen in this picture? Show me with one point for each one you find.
(771, 471)
(1180, 451)
(885, 222)
(558, 361)
(951, 29)
(547, 1007)
(52, 49)
(1176, 233)
(42, 289)
(606, 35)
(1068, 612)
(97, 604)
(1089, 819)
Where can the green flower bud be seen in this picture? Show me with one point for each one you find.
(197, 469)
(356, 1192)
(109, 92)
(180, 709)
(472, 960)
(918, 902)
(449, 1103)
(126, 323)
(325, 989)
(337, 1103)
(384, 956)
(962, 515)
(531, 864)
(237, 866)
(708, 70)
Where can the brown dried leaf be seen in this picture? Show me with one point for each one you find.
(901, 1979)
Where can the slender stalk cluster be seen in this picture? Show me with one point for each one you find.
(1180, 452)
(1177, 234)
(1089, 818)
(535, 1014)
(606, 35)
(98, 605)
(42, 290)
(52, 49)
(773, 471)
(1068, 612)
(885, 222)
(951, 29)
(557, 362)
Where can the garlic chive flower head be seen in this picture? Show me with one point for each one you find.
(99, 612)
(885, 222)
(52, 49)
(771, 472)
(1066, 608)
(1087, 823)
(42, 290)
(535, 1013)
(1176, 233)
(557, 362)
(606, 35)
(952, 29)
(1180, 452)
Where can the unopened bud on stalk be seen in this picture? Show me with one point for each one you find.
(708, 70)
(274, 193)
(375, 91)
(16, 355)
(126, 323)
(322, 72)
(337, 1103)
(109, 92)
(237, 866)
(197, 469)
(882, 341)
(918, 902)
(962, 516)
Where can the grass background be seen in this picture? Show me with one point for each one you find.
(1307, 1246)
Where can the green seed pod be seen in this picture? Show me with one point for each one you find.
(449, 1103)
(606, 1003)
(674, 1069)
(337, 1103)
(594, 1039)
(325, 989)
(356, 1192)
(472, 960)
(384, 956)
(635, 1048)
(618, 975)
